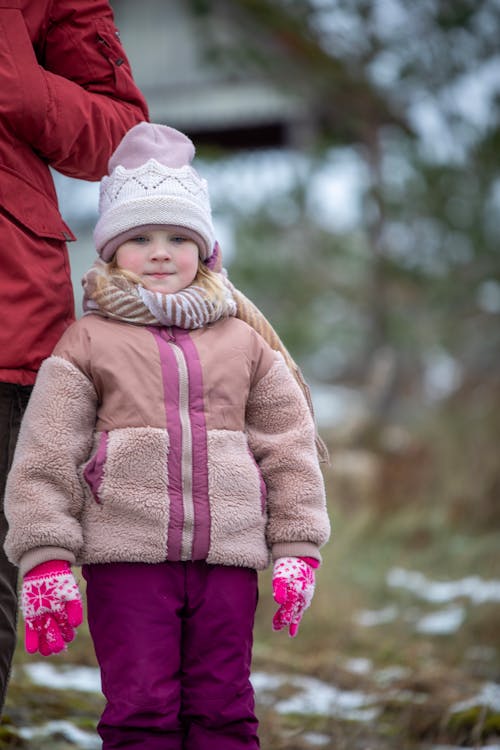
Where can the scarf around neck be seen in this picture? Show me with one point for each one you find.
(114, 296)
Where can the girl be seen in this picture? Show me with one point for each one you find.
(169, 450)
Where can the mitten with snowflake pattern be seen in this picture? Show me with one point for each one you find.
(51, 607)
(293, 589)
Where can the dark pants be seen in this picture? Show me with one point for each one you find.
(13, 401)
(174, 644)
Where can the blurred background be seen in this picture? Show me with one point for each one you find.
(352, 153)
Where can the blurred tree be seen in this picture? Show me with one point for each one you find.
(413, 90)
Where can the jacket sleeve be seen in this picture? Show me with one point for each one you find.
(281, 435)
(43, 495)
(73, 97)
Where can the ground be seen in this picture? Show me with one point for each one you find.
(400, 649)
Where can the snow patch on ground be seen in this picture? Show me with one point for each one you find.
(474, 588)
(82, 740)
(316, 697)
(86, 679)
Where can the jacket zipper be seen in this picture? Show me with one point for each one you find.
(186, 448)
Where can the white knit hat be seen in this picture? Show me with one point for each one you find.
(151, 183)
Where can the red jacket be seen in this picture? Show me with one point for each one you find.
(67, 97)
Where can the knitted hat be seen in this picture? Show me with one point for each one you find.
(151, 183)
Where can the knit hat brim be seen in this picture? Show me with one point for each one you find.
(152, 210)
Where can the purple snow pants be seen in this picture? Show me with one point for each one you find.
(174, 643)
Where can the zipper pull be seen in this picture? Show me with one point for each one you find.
(168, 334)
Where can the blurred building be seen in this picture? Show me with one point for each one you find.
(197, 73)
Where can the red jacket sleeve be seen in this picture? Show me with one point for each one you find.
(74, 98)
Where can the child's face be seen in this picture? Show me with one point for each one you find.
(165, 260)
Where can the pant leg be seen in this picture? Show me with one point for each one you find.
(217, 696)
(134, 614)
(13, 401)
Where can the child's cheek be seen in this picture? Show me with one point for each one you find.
(130, 259)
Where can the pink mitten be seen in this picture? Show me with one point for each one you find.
(293, 589)
(51, 607)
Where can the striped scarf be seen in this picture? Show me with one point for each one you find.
(114, 296)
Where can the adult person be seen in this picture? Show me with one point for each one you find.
(67, 96)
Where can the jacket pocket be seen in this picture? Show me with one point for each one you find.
(263, 488)
(93, 472)
(31, 208)
(236, 488)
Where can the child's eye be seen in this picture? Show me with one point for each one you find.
(178, 240)
(140, 239)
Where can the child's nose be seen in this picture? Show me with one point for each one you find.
(160, 248)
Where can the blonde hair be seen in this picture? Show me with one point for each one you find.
(211, 281)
